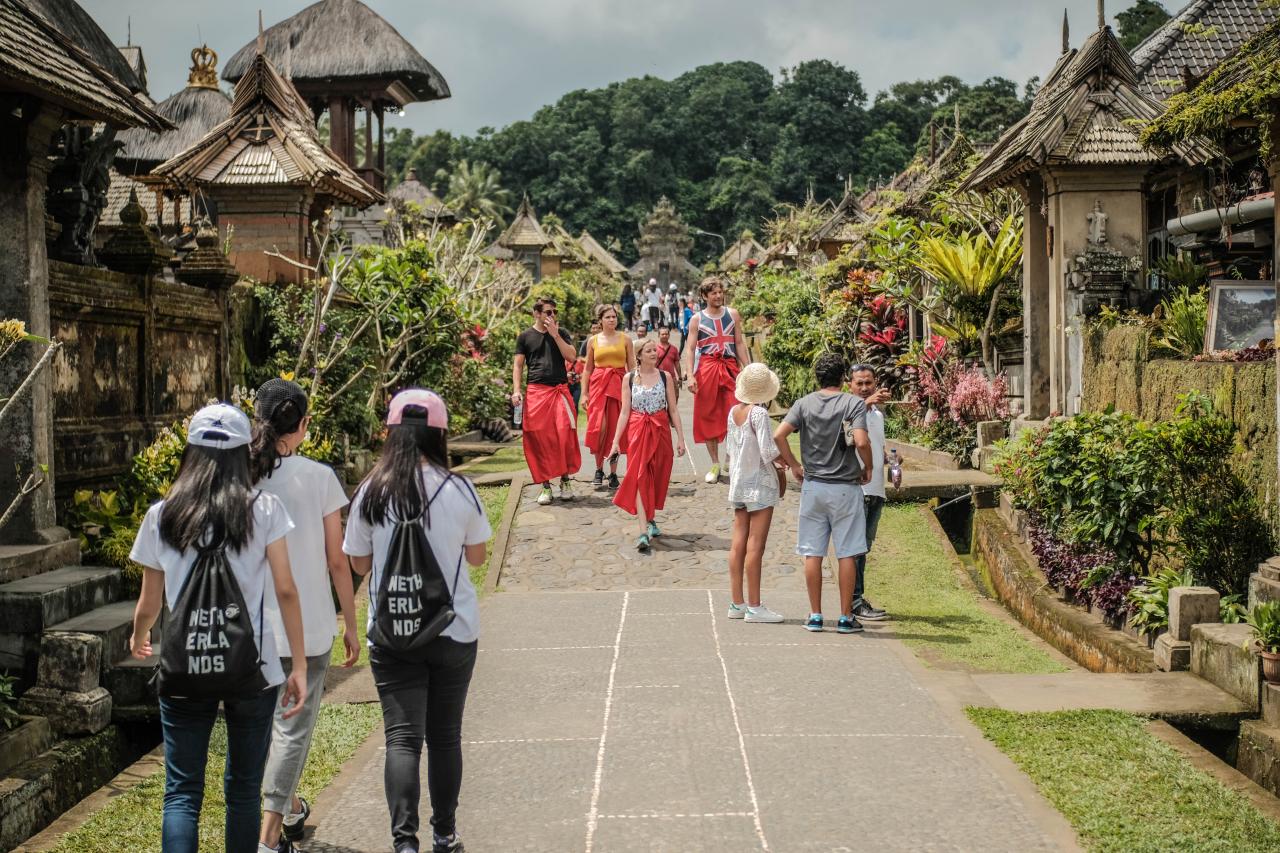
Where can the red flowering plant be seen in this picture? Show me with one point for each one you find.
(883, 340)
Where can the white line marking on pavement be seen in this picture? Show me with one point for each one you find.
(673, 613)
(733, 708)
(548, 648)
(527, 740)
(656, 816)
(593, 815)
(646, 686)
(854, 734)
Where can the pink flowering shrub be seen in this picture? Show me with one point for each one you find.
(971, 397)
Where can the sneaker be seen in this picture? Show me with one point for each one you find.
(814, 622)
(613, 481)
(653, 532)
(283, 846)
(848, 625)
(296, 824)
(544, 496)
(566, 490)
(598, 480)
(713, 475)
(642, 544)
(447, 844)
(737, 611)
(864, 611)
(763, 614)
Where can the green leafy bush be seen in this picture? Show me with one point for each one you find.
(1150, 599)
(1182, 325)
(1264, 619)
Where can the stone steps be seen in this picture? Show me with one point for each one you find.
(21, 561)
(112, 622)
(129, 680)
(1221, 655)
(29, 605)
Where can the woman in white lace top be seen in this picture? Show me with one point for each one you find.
(753, 489)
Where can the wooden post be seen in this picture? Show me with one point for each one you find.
(341, 131)
(382, 152)
(368, 134)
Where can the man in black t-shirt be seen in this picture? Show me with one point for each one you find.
(550, 420)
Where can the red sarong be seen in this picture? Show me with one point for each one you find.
(716, 377)
(649, 459)
(550, 432)
(604, 402)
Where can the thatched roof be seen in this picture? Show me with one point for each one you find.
(343, 40)
(1243, 88)
(413, 190)
(1086, 113)
(847, 213)
(524, 232)
(1195, 40)
(76, 24)
(36, 57)
(911, 188)
(268, 140)
(196, 110)
(600, 255)
(745, 249)
(133, 57)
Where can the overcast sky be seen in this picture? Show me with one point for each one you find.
(505, 58)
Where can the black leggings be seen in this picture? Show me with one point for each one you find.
(423, 701)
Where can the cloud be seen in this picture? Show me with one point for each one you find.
(506, 58)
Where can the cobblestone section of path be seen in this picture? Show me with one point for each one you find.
(589, 544)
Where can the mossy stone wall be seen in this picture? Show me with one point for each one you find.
(1120, 372)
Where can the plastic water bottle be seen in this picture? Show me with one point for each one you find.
(518, 417)
(895, 469)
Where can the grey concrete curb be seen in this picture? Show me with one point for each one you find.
(503, 537)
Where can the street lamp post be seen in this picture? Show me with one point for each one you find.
(723, 245)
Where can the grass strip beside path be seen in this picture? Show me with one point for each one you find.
(132, 821)
(910, 575)
(1121, 787)
(494, 499)
(506, 459)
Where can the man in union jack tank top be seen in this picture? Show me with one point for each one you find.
(716, 332)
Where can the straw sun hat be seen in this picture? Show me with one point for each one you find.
(756, 384)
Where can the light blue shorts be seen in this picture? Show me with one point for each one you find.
(831, 514)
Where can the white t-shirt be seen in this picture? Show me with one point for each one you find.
(248, 565)
(875, 432)
(310, 491)
(455, 523)
(652, 297)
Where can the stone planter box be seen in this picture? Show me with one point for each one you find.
(31, 737)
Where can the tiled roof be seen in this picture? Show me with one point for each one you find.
(1089, 111)
(524, 230)
(1199, 37)
(737, 255)
(35, 57)
(911, 187)
(847, 212)
(118, 196)
(269, 139)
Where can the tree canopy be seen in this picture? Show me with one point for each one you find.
(1139, 21)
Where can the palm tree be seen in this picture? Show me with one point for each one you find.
(476, 190)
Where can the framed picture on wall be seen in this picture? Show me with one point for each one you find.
(1241, 314)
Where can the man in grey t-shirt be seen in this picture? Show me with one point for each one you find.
(831, 505)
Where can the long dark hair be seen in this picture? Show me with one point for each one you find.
(264, 451)
(210, 503)
(393, 487)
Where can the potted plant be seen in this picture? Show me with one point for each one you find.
(1264, 619)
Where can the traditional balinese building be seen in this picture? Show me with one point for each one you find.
(600, 256)
(841, 227)
(1083, 175)
(267, 177)
(664, 245)
(745, 252)
(523, 241)
(194, 111)
(343, 58)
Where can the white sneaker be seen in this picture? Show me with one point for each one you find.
(566, 490)
(763, 614)
(713, 475)
(737, 611)
(544, 496)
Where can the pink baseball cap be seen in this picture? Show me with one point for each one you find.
(437, 414)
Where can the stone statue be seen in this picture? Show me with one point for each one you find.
(1097, 225)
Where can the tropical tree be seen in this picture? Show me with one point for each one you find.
(475, 190)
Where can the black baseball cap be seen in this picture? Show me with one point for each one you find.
(274, 393)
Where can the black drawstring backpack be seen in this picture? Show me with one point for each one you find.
(415, 604)
(208, 649)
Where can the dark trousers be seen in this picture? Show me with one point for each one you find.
(653, 312)
(186, 725)
(423, 702)
(873, 505)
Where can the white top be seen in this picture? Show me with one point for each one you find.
(875, 431)
(455, 522)
(310, 491)
(653, 297)
(752, 477)
(248, 565)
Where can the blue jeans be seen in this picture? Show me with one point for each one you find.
(187, 724)
(873, 505)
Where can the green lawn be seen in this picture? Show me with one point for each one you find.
(1121, 787)
(910, 575)
(131, 822)
(494, 499)
(506, 459)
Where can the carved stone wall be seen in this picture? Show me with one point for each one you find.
(138, 354)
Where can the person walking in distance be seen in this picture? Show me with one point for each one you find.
(864, 383)
(720, 351)
(609, 356)
(314, 498)
(753, 489)
(580, 367)
(669, 357)
(653, 303)
(627, 301)
(550, 426)
(228, 539)
(648, 413)
(413, 524)
(836, 453)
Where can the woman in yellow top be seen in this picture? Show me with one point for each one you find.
(610, 354)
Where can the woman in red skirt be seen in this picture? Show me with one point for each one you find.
(610, 355)
(648, 413)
